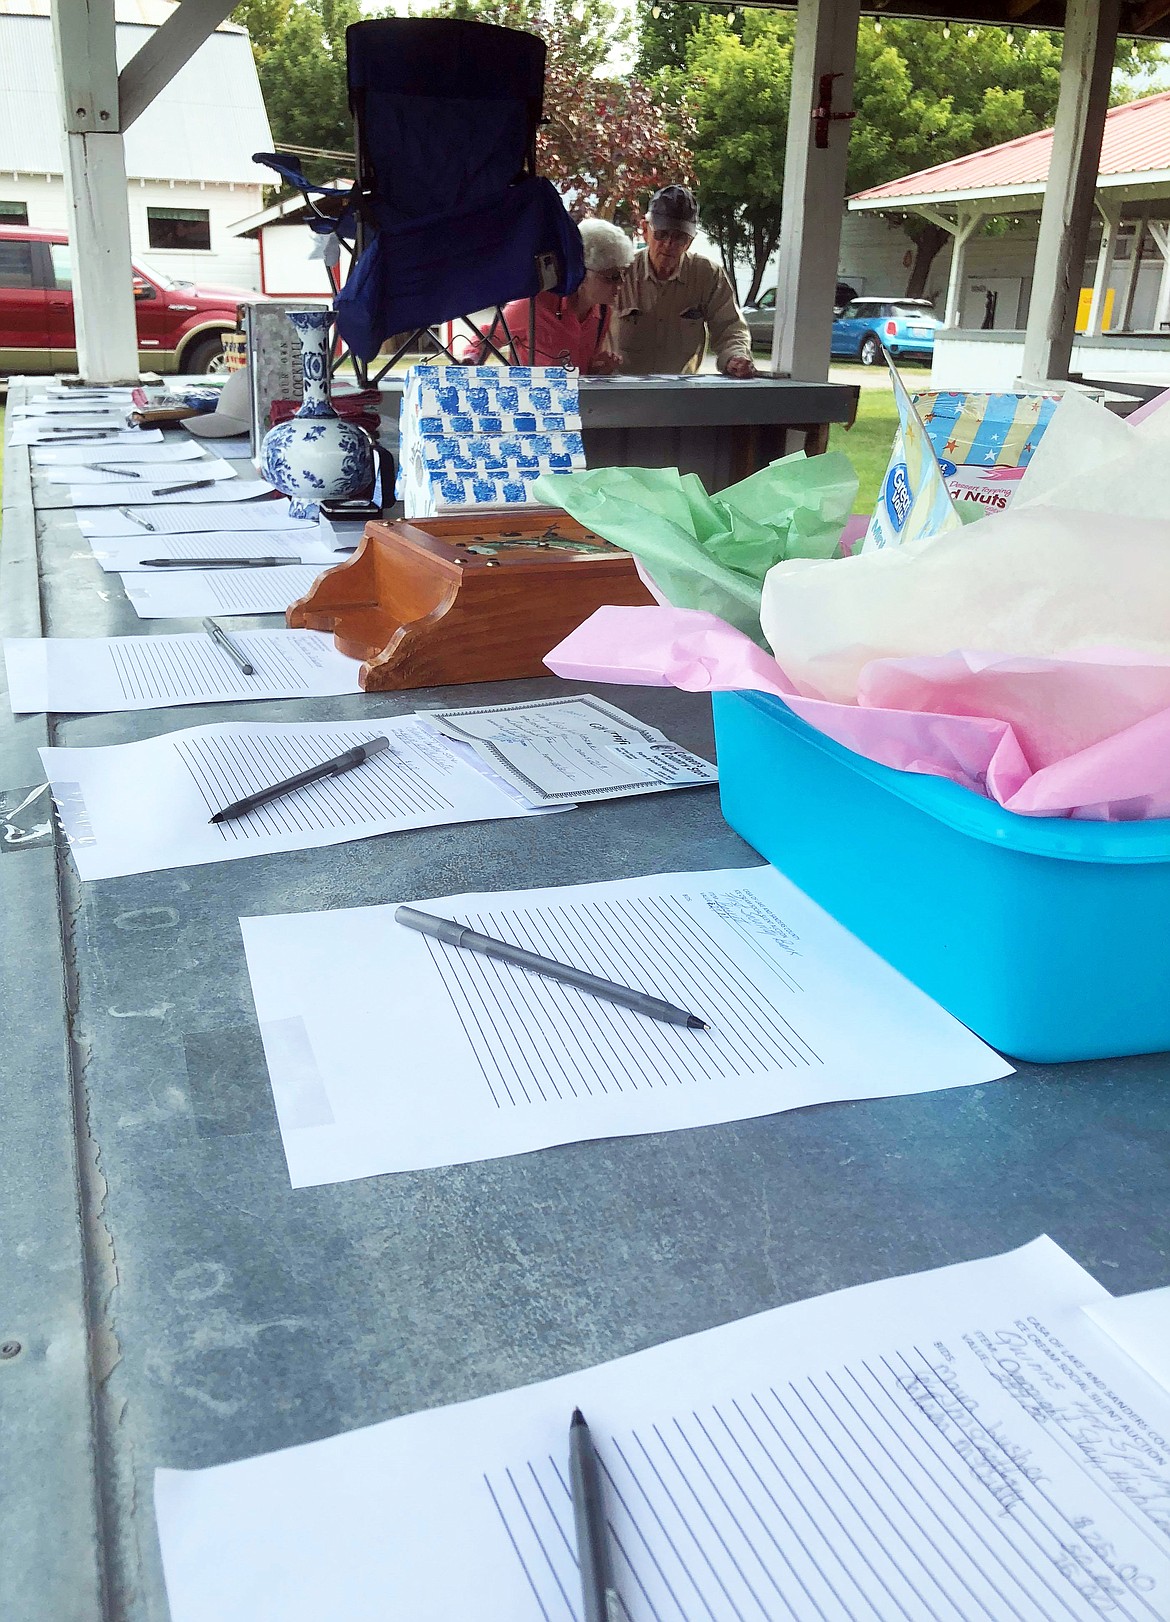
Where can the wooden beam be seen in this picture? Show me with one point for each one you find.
(153, 67)
(1020, 8)
(1086, 67)
(823, 63)
(1152, 12)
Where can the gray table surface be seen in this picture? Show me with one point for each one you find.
(177, 1303)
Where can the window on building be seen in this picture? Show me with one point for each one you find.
(16, 264)
(62, 265)
(13, 213)
(188, 228)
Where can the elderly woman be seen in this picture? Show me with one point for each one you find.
(572, 331)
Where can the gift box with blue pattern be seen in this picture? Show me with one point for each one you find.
(481, 435)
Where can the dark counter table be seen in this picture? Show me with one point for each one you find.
(176, 1302)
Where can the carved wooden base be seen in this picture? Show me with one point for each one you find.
(482, 597)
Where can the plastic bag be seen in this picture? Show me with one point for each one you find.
(712, 552)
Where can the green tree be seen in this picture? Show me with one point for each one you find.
(299, 46)
(736, 92)
(665, 31)
(925, 93)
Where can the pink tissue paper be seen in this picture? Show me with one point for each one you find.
(1084, 735)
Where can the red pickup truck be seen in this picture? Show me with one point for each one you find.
(180, 325)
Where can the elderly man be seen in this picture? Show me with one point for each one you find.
(672, 299)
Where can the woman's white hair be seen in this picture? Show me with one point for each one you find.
(606, 246)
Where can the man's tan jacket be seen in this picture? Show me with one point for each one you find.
(663, 326)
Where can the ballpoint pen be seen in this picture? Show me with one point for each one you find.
(215, 563)
(345, 762)
(135, 518)
(104, 467)
(173, 489)
(453, 934)
(601, 1601)
(222, 640)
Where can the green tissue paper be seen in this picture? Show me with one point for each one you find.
(712, 552)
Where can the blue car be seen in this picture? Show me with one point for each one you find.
(905, 325)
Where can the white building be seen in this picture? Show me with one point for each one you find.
(188, 157)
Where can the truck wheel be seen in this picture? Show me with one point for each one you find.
(206, 356)
(870, 352)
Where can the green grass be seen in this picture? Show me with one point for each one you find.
(867, 444)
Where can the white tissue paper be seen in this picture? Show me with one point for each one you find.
(1080, 561)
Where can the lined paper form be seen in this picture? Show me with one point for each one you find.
(562, 750)
(181, 519)
(955, 1446)
(515, 1062)
(124, 554)
(137, 807)
(30, 432)
(75, 457)
(86, 478)
(187, 593)
(83, 675)
(137, 492)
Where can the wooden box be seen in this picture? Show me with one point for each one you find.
(469, 598)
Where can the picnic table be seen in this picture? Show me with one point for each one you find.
(166, 1298)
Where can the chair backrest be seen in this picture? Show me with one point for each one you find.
(445, 111)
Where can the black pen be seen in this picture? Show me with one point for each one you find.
(344, 762)
(214, 563)
(173, 489)
(453, 934)
(601, 1600)
(104, 467)
(222, 640)
(135, 518)
(84, 433)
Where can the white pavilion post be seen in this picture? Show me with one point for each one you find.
(97, 105)
(96, 202)
(962, 230)
(1090, 40)
(814, 188)
(1161, 235)
(1110, 230)
(1132, 271)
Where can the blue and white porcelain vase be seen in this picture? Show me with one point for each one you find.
(316, 456)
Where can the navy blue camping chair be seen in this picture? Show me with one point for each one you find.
(447, 215)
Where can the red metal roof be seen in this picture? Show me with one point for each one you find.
(1136, 141)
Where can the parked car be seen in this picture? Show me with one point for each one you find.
(761, 315)
(180, 324)
(905, 325)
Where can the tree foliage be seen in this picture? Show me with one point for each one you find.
(299, 46)
(665, 31)
(605, 142)
(736, 93)
(925, 93)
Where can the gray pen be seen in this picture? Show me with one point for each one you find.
(85, 433)
(453, 934)
(222, 640)
(215, 563)
(104, 467)
(173, 489)
(601, 1600)
(128, 512)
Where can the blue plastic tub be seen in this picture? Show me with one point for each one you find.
(1049, 937)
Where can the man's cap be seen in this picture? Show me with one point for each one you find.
(674, 209)
(232, 414)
